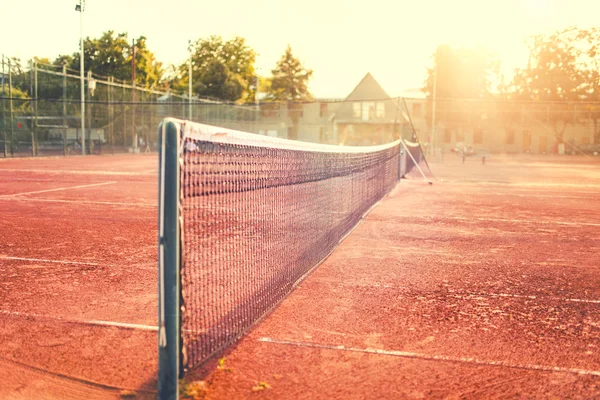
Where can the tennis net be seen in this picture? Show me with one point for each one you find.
(244, 218)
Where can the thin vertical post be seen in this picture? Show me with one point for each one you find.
(111, 117)
(81, 77)
(169, 318)
(134, 96)
(3, 112)
(10, 110)
(88, 136)
(190, 83)
(34, 107)
(433, 132)
(64, 109)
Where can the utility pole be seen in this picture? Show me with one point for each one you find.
(133, 96)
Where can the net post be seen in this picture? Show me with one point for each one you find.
(169, 334)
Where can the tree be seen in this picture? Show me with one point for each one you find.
(111, 55)
(290, 79)
(554, 74)
(221, 69)
(588, 41)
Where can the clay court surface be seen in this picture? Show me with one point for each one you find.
(483, 285)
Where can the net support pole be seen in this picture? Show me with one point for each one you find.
(415, 161)
(415, 132)
(169, 320)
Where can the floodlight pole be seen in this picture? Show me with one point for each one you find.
(80, 8)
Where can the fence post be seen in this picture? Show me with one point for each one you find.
(3, 111)
(111, 115)
(10, 110)
(64, 109)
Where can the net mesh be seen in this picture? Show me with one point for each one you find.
(258, 214)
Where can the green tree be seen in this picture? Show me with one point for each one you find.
(290, 79)
(111, 55)
(220, 69)
(553, 74)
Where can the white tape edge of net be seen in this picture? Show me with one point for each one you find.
(215, 134)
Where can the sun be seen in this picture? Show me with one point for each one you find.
(537, 9)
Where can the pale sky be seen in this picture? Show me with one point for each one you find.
(341, 40)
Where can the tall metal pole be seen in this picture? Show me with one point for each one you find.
(64, 109)
(134, 96)
(111, 118)
(190, 83)
(10, 110)
(433, 133)
(3, 116)
(81, 77)
(34, 107)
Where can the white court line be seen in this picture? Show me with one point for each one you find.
(123, 325)
(516, 221)
(422, 356)
(524, 296)
(59, 189)
(109, 203)
(77, 172)
(466, 295)
(46, 261)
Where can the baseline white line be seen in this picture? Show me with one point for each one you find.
(46, 261)
(109, 203)
(59, 189)
(123, 325)
(422, 356)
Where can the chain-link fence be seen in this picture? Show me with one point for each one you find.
(41, 114)
(508, 126)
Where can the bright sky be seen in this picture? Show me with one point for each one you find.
(341, 40)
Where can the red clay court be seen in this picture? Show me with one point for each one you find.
(484, 285)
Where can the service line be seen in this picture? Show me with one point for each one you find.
(59, 189)
(433, 357)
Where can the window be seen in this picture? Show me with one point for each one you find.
(356, 110)
(460, 135)
(368, 111)
(416, 110)
(447, 136)
(323, 110)
(380, 113)
(478, 136)
(510, 136)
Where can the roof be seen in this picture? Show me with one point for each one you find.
(368, 89)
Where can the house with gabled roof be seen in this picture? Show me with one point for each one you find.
(368, 115)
